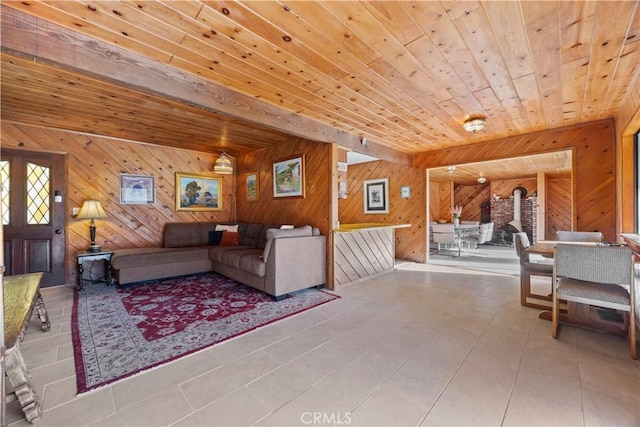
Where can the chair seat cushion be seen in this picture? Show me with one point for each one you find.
(597, 291)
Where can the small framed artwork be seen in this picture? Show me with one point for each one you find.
(252, 186)
(288, 177)
(198, 192)
(405, 191)
(376, 196)
(137, 189)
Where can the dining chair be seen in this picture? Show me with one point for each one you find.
(602, 276)
(490, 232)
(530, 266)
(478, 239)
(579, 236)
(445, 234)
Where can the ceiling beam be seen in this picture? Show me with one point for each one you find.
(39, 40)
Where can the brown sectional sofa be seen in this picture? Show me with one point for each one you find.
(267, 258)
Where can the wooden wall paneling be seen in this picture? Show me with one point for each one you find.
(505, 188)
(95, 164)
(362, 254)
(313, 209)
(594, 156)
(542, 208)
(559, 207)
(410, 242)
(470, 197)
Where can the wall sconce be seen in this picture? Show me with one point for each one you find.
(92, 209)
(223, 165)
(451, 169)
(482, 179)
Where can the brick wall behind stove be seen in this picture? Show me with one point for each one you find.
(502, 213)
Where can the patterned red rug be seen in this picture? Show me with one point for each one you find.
(118, 332)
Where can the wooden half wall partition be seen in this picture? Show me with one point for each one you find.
(594, 147)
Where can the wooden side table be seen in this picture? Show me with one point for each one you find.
(82, 257)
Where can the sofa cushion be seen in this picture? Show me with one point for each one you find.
(273, 233)
(148, 257)
(187, 234)
(230, 238)
(227, 227)
(234, 258)
(252, 263)
(214, 238)
(216, 253)
(251, 235)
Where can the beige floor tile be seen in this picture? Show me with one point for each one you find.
(82, 411)
(140, 387)
(612, 376)
(439, 347)
(602, 409)
(532, 409)
(502, 342)
(162, 409)
(215, 384)
(240, 408)
(384, 408)
(478, 394)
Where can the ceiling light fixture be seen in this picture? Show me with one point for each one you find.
(451, 169)
(223, 165)
(482, 179)
(474, 125)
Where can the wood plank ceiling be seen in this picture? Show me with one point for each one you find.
(404, 75)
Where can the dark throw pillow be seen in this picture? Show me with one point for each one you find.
(215, 237)
(229, 238)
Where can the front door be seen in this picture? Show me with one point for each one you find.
(33, 210)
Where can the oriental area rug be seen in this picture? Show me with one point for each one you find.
(119, 332)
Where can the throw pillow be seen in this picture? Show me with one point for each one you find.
(214, 238)
(230, 238)
(232, 228)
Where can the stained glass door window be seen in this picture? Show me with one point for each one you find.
(38, 194)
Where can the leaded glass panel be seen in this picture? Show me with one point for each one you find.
(38, 194)
(5, 167)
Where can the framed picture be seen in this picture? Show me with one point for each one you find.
(376, 196)
(405, 191)
(198, 192)
(288, 177)
(252, 186)
(137, 189)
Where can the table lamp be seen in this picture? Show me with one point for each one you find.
(92, 209)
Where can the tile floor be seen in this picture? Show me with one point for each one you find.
(423, 345)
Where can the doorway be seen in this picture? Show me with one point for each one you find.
(33, 209)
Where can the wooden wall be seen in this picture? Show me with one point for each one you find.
(440, 201)
(595, 174)
(470, 197)
(559, 217)
(94, 171)
(410, 242)
(313, 209)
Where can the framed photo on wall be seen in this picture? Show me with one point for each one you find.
(252, 186)
(376, 196)
(137, 189)
(198, 192)
(288, 177)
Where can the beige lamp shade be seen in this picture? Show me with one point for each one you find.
(91, 209)
(223, 165)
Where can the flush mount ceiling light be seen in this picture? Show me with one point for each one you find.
(474, 125)
(223, 165)
(482, 179)
(451, 169)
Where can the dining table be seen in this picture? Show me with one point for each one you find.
(572, 312)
